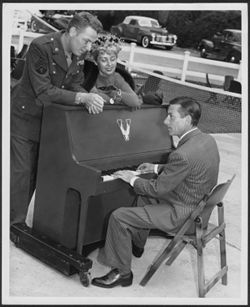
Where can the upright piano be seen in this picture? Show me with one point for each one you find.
(75, 191)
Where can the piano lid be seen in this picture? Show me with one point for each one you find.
(118, 133)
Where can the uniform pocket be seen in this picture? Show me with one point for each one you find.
(27, 106)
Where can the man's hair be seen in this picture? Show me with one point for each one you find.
(83, 20)
(188, 106)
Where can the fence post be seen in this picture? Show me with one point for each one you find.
(239, 72)
(21, 39)
(185, 65)
(131, 56)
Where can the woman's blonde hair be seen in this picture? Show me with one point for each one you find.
(106, 43)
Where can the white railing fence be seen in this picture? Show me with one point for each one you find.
(186, 67)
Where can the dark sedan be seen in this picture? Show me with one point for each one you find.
(145, 31)
(224, 46)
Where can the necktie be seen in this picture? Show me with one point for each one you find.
(69, 60)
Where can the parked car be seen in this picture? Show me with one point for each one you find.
(224, 46)
(58, 21)
(145, 31)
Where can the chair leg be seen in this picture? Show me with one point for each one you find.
(200, 260)
(223, 260)
(176, 252)
(155, 265)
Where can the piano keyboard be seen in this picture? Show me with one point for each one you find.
(106, 178)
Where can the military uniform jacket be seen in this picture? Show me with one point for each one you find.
(46, 79)
(190, 173)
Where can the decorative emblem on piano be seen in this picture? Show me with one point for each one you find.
(124, 126)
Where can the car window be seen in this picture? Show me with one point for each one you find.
(127, 20)
(155, 24)
(236, 37)
(227, 35)
(133, 22)
(149, 23)
(232, 36)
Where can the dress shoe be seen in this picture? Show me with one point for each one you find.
(137, 251)
(113, 279)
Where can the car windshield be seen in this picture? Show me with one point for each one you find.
(233, 36)
(236, 37)
(149, 23)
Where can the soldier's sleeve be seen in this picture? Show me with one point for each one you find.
(76, 84)
(38, 68)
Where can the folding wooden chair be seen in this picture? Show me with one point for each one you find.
(234, 86)
(198, 232)
(17, 71)
(151, 84)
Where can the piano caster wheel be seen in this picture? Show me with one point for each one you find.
(84, 278)
(14, 238)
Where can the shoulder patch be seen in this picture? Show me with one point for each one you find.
(40, 66)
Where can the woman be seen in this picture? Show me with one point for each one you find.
(109, 83)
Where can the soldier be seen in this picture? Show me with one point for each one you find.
(53, 73)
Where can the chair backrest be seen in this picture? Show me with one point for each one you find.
(18, 70)
(228, 79)
(215, 197)
(152, 83)
(235, 87)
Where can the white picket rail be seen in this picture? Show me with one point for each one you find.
(183, 71)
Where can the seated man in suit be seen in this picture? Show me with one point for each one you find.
(190, 172)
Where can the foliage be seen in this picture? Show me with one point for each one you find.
(189, 26)
(192, 26)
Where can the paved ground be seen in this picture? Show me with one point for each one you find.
(32, 282)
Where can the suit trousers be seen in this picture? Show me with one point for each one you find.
(23, 170)
(125, 225)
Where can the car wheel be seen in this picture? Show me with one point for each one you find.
(33, 26)
(203, 52)
(233, 58)
(168, 47)
(145, 42)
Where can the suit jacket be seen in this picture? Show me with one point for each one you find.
(191, 172)
(46, 79)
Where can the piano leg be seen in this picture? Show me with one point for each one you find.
(82, 223)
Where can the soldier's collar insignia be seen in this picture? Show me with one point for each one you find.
(81, 62)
